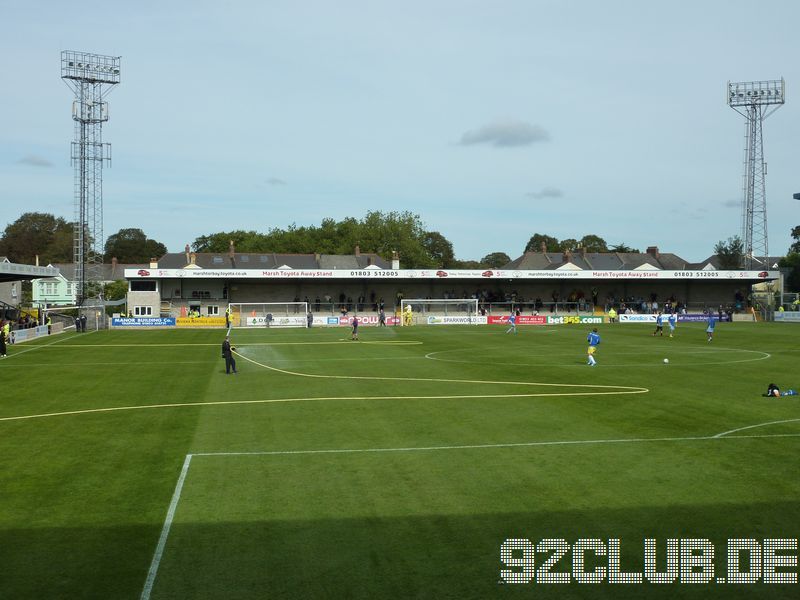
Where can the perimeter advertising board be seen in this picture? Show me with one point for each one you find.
(143, 322)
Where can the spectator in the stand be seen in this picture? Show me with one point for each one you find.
(83, 323)
(316, 303)
(49, 323)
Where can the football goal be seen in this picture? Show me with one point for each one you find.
(268, 314)
(463, 310)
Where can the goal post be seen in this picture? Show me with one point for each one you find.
(268, 314)
(463, 310)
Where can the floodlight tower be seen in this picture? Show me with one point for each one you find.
(755, 100)
(91, 77)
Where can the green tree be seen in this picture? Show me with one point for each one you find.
(791, 262)
(38, 234)
(381, 233)
(570, 244)
(593, 243)
(730, 253)
(535, 243)
(468, 264)
(495, 260)
(132, 246)
(439, 249)
(622, 247)
(795, 247)
(244, 241)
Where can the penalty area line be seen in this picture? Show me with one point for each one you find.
(162, 540)
(703, 438)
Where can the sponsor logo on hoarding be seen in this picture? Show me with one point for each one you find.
(441, 273)
(521, 320)
(573, 319)
(200, 322)
(143, 322)
(143, 273)
(447, 320)
(487, 274)
(788, 316)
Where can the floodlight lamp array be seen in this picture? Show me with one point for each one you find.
(748, 93)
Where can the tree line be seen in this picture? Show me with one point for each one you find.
(50, 238)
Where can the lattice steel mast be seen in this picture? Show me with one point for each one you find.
(91, 77)
(755, 101)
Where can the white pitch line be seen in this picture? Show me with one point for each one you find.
(724, 433)
(703, 438)
(162, 540)
(243, 345)
(314, 399)
(39, 346)
(176, 496)
(620, 389)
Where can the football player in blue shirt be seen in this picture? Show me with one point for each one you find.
(710, 324)
(594, 339)
(672, 320)
(659, 325)
(512, 321)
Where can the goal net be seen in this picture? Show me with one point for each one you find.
(425, 310)
(268, 314)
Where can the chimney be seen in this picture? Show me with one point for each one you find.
(652, 251)
(37, 260)
(358, 250)
(395, 260)
(583, 252)
(188, 259)
(153, 262)
(192, 258)
(231, 249)
(567, 255)
(543, 246)
(317, 257)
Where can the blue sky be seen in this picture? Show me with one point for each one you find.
(491, 120)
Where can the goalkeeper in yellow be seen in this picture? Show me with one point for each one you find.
(408, 315)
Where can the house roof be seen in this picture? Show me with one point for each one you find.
(770, 263)
(265, 260)
(108, 272)
(597, 261)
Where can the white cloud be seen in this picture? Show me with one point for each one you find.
(275, 181)
(548, 192)
(505, 134)
(35, 161)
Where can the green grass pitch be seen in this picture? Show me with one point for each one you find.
(392, 467)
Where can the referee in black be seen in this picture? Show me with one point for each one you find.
(227, 354)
